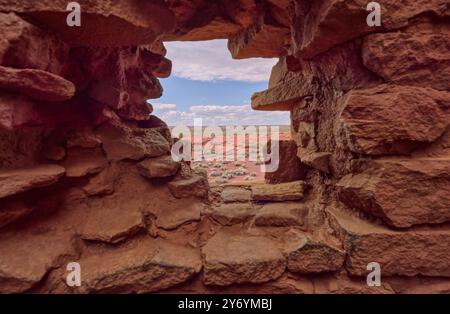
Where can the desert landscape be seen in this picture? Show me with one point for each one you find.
(92, 200)
(225, 172)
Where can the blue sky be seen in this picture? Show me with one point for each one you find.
(207, 83)
(186, 92)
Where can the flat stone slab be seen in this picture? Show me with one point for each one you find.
(120, 143)
(104, 182)
(113, 219)
(109, 24)
(316, 160)
(13, 182)
(402, 118)
(235, 213)
(161, 167)
(231, 194)
(284, 95)
(409, 253)
(403, 193)
(27, 256)
(291, 191)
(231, 258)
(143, 267)
(251, 42)
(282, 215)
(36, 84)
(196, 185)
(82, 162)
(175, 214)
(308, 256)
(400, 57)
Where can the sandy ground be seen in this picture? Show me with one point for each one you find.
(234, 172)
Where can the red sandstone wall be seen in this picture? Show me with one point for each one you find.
(86, 174)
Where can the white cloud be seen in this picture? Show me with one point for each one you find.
(222, 115)
(211, 60)
(164, 107)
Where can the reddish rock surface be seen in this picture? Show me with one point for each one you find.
(36, 84)
(18, 181)
(388, 191)
(230, 258)
(123, 143)
(416, 56)
(290, 214)
(236, 194)
(86, 174)
(231, 214)
(290, 168)
(160, 167)
(148, 266)
(392, 119)
(309, 256)
(290, 191)
(395, 251)
(196, 185)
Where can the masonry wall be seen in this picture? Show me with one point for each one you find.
(86, 174)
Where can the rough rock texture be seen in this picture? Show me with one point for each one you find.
(18, 181)
(108, 224)
(290, 191)
(236, 194)
(389, 191)
(308, 256)
(86, 173)
(36, 84)
(30, 253)
(16, 279)
(160, 167)
(392, 119)
(26, 46)
(122, 143)
(231, 214)
(252, 41)
(230, 258)
(314, 22)
(106, 23)
(17, 112)
(395, 251)
(316, 160)
(290, 214)
(176, 213)
(147, 266)
(416, 56)
(12, 211)
(196, 185)
(290, 167)
(80, 162)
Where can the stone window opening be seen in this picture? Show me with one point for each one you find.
(88, 181)
(225, 110)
